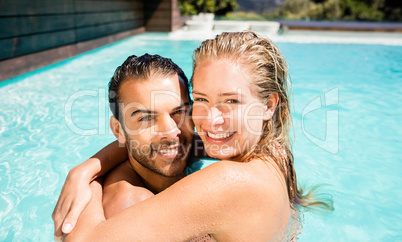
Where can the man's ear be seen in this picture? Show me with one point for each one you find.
(117, 130)
(272, 103)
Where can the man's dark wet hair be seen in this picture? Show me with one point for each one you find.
(141, 68)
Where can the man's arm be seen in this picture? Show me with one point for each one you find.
(228, 200)
(76, 193)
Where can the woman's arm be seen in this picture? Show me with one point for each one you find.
(228, 200)
(76, 192)
(93, 212)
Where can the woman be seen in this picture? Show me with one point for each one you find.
(243, 121)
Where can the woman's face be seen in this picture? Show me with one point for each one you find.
(227, 114)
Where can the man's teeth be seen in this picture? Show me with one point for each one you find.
(220, 136)
(168, 151)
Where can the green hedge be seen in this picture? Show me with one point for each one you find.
(376, 10)
(218, 7)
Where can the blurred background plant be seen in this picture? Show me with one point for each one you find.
(218, 7)
(365, 10)
(376, 10)
(243, 16)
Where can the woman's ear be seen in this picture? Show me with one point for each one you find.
(117, 130)
(272, 103)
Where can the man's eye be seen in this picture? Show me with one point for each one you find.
(181, 111)
(200, 99)
(145, 118)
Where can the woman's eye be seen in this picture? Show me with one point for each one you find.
(232, 101)
(200, 99)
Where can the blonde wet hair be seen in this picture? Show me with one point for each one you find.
(269, 72)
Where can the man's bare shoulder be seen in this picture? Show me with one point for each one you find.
(124, 172)
(122, 189)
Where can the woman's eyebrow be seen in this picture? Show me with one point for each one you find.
(231, 94)
(199, 93)
(239, 94)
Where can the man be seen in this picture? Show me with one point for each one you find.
(150, 104)
(149, 99)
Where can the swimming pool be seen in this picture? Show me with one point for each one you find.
(347, 134)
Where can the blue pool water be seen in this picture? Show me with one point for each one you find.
(347, 100)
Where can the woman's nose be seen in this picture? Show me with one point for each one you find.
(216, 116)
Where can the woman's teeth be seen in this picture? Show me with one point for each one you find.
(220, 135)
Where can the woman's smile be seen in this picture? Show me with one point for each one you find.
(218, 138)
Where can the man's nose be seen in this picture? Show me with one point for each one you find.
(168, 128)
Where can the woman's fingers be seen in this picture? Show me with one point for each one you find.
(58, 215)
(70, 205)
(75, 210)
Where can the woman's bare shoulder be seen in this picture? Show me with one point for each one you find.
(249, 192)
(257, 171)
(239, 180)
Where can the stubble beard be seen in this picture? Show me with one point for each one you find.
(147, 157)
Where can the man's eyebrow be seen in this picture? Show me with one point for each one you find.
(142, 111)
(181, 106)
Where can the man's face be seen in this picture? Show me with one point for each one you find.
(157, 125)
